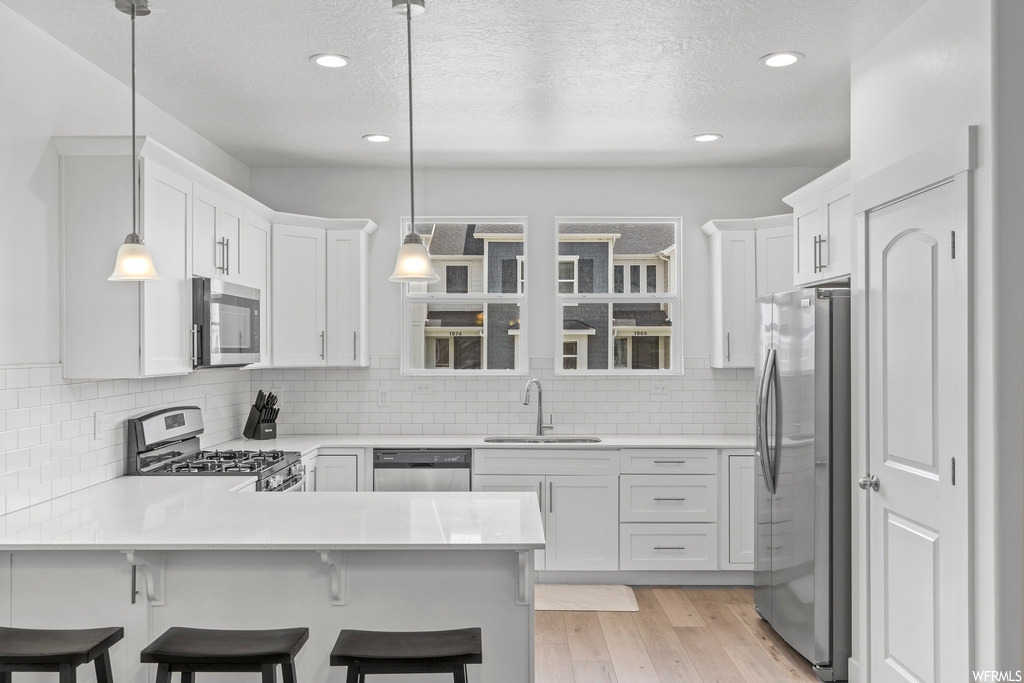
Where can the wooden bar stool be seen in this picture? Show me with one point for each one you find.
(61, 651)
(417, 652)
(191, 650)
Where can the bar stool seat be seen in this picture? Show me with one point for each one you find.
(191, 650)
(57, 650)
(390, 652)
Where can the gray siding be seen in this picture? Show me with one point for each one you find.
(501, 344)
(496, 253)
(598, 253)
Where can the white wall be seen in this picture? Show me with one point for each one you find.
(697, 195)
(952, 64)
(49, 90)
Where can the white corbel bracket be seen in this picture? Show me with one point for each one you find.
(524, 587)
(335, 561)
(150, 564)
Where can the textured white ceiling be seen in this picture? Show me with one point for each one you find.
(499, 83)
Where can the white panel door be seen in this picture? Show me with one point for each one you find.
(167, 302)
(807, 226)
(335, 473)
(918, 411)
(207, 256)
(255, 260)
(347, 304)
(837, 248)
(742, 500)
(531, 483)
(774, 260)
(582, 523)
(300, 287)
(739, 289)
(230, 219)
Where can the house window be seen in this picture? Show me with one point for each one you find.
(471, 320)
(617, 293)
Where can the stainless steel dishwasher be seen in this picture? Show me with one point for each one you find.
(421, 469)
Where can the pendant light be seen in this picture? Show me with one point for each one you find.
(413, 260)
(134, 261)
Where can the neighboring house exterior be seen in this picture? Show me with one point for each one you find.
(593, 258)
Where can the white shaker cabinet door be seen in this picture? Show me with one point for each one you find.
(582, 523)
(216, 235)
(530, 483)
(808, 223)
(741, 509)
(739, 289)
(167, 302)
(347, 299)
(335, 473)
(300, 287)
(774, 260)
(255, 248)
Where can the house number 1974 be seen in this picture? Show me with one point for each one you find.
(455, 334)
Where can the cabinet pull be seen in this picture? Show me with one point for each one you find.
(669, 462)
(227, 256)
(540, 495)
(817, 253)
(728, 347)
(355, 346)
(670, 547)
(821, 256)
(551, 496)
(323, 346)
(658, 498)
(195, 345)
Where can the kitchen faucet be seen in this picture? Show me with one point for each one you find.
(540, 405)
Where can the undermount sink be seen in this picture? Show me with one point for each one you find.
(542, 439)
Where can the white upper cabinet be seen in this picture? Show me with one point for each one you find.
(122, 329)
(822, 228)
(750, 258)
(320, 296)
(255, 254)
(216, 235)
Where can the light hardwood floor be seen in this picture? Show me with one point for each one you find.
(680, 635)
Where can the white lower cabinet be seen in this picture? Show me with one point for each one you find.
(580, 516)
(742, 535)
(672, 498)
(334, 473)
(668, 546)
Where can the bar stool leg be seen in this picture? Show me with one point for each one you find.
(459, 674)
(269, 673)
(67, 673)
(188, 676)
(103, 672)
(288, 671)
(163, 673)
(353, 674)
(5, 677)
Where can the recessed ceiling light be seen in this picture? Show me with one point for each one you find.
(376, 137)
(331, 61)
(707, 137)
(777, 59)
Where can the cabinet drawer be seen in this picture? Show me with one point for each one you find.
(545, 461)
(672, 498)
(669, 460)
(668, 546)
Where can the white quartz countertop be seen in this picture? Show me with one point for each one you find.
(307, 444)
(201, 512)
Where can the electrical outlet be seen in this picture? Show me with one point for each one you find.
(101, 423)
(424, 387)
(659, 390)
(383, 398)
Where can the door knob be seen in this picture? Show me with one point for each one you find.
(869, 482)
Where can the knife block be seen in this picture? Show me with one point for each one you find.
(254, 429)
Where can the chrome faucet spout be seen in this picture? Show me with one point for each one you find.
(540, 405)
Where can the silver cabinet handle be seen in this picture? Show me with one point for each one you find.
(323, 346)
(821, 256)
(223, 244)
(551, 496)
(657, 498)
(227, 256)
(817, 253)
(869, 482)
(355, 345)
(669, 462)
(195, 346)
(670, 547)
(540, 495)
(728, 347)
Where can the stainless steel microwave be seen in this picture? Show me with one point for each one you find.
(225, 324)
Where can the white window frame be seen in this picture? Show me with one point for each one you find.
(412, 298)
(672, 299)
(575, 261)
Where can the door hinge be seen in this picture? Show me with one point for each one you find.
(952, 244)
(954, 471)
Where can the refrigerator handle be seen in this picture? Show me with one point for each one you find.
(764, 453)
(774, 447)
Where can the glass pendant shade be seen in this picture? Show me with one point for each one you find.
(134, 262)
(413, 262)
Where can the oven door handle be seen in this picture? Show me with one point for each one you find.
(299, 485)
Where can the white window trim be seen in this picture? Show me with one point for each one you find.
(675, 299)
(575, 261)
(522, 360)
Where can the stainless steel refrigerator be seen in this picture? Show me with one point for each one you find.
(802, 566)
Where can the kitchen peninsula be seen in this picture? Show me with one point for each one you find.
(153, 552)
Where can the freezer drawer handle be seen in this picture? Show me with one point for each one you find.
(670, 547)
(869, 482)
(657, 498)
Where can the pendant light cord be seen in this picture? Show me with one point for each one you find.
(135, 154)
(412, 187)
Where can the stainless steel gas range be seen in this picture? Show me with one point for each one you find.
(166, 442)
